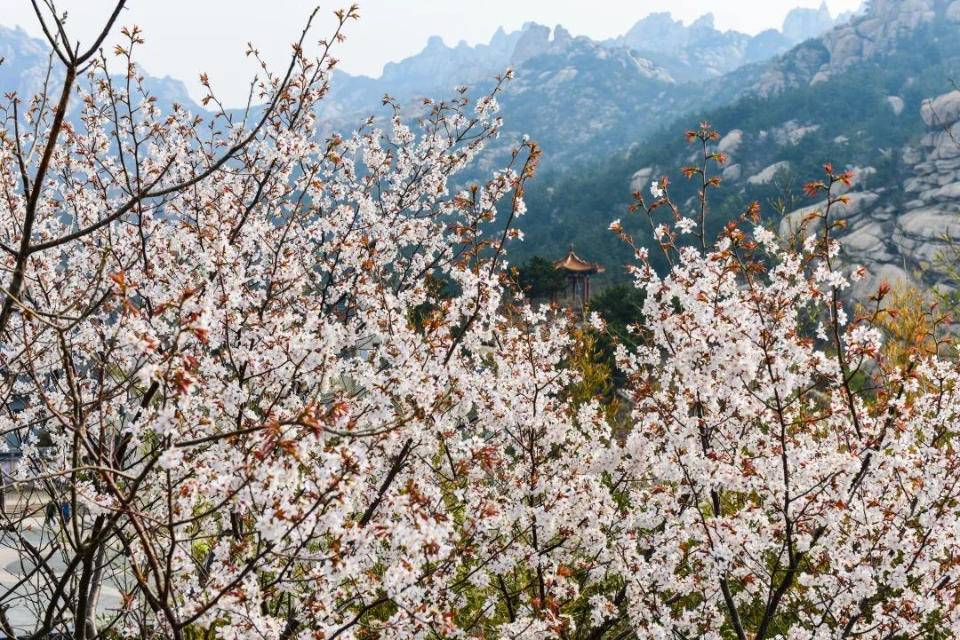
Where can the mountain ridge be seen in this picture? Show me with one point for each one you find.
(474, 62)
(607, 116)
(552, 67)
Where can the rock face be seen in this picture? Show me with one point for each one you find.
(896, 104)
(953, 12)
(640, 180)
(732, 173)
(657, 32)
(768, 174)
(792, 132)
(944, 109)
(875, 32)
(535, 41)
(932, 219)
(731, 142)
(907, 242)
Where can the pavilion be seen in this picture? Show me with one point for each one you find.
(578, 272)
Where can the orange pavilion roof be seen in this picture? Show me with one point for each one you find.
(575, 264)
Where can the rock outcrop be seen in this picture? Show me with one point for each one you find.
(905, 242)
(944, 109)
(731, 142)
(896, 103)
(875, 32)
(769, 173)
(931, 222)
(953, 12)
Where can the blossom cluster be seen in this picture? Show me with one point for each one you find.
(225, 358)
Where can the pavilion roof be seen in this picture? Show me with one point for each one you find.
(575, 264)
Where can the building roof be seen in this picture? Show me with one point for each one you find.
(574, 264)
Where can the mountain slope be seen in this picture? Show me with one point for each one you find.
(24, 61)
(862, 110)
(577, 97)
(574, 96)
(587, 100)
(665, 50)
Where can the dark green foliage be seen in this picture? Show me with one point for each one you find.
(621, 306)
(538, 279)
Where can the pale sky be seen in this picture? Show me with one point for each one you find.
(187, 37)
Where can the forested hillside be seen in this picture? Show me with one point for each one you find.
(866, 115)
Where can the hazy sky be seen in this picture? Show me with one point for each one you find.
(186, 37)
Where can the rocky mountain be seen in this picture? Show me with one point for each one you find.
(577, 97)
(907, 231)
(802, 23)
(685, 53)
(873, 95)
(697, 51)
(436, 69)
(875, 32)
(700, 51)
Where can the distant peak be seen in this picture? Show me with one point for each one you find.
(804, 23)
(706, 21)
(435, 42)
(660, 17)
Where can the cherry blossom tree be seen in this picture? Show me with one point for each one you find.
(241, 407)
(782, 478)
(213, 382)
